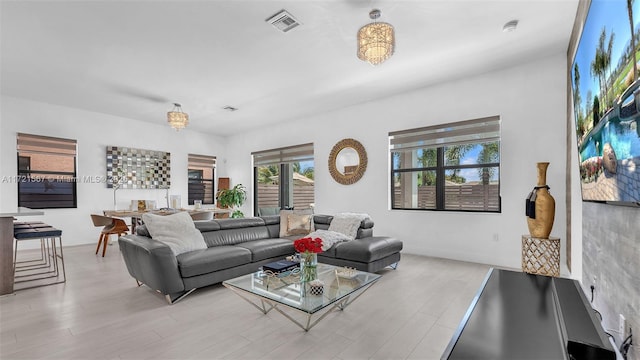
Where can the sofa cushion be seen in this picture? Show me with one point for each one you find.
(368, 249)
(364, 233)
(212, 259)
(329, 253)
(273, 225)
(142, 230)
(176, 230)
(240, 223)
(271, 219)
(204, 226)
(322, 219)
(235, 236)
(323, 222)
(268, 248)
(296, 222)
(367, 223)
(299, 224)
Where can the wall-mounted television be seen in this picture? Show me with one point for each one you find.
(606, 102)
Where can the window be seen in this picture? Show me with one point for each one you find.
(201, 170)
(453, 167)
(46, 172)
(283, 178)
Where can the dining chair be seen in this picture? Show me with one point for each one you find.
(201, 216)
(112, 226)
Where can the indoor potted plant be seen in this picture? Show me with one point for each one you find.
(232, 198)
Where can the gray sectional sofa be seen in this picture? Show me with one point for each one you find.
(239, 246)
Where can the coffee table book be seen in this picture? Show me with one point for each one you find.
(280, 266)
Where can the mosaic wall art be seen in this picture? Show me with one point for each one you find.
(130, 168)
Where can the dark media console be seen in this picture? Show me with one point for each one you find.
(523, 316)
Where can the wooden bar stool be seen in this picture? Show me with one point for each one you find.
(112, 226)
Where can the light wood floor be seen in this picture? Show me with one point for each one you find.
(100, 313)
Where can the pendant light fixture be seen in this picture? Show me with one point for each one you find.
(177, 118)
(376, 41)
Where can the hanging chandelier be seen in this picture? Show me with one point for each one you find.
(177, 118)
(376, 41)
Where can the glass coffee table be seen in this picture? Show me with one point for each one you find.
(267, 291)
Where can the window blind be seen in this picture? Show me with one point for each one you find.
(289, 154)
(463, 132)
(202, 162)
(47, 171)
(36, 144)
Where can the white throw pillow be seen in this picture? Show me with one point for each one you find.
(347, 223)
(176, 230)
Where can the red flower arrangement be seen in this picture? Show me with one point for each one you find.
(308, 248)
(308, 245)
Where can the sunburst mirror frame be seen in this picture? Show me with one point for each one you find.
(348, 179)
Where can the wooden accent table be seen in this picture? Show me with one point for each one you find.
(136, 216)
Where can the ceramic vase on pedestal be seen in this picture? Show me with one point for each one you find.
(540, 206)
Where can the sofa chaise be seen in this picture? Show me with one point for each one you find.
(240, 246)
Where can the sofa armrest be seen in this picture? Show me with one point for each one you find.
(151, 263)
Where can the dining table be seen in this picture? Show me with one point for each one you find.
(136, 215)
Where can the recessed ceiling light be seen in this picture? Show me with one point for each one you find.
(230, 108)
(510, 26)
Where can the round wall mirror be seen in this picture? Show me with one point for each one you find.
(347, 161)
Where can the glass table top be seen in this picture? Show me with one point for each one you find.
(286, 289)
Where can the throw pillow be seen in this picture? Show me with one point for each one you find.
(268, 211)
(177, 231)
(298, 224)
(301, 222)
(347, 223)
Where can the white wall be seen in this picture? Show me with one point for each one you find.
(94, 132)
(531, 102)
(530, 99)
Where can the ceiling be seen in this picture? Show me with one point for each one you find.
(135, 58)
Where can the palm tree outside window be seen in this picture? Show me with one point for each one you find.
(452, 167)
(283, 179)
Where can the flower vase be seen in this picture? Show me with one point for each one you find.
(308, 267)
(540, 206)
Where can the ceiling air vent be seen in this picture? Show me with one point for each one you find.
(283, 21)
